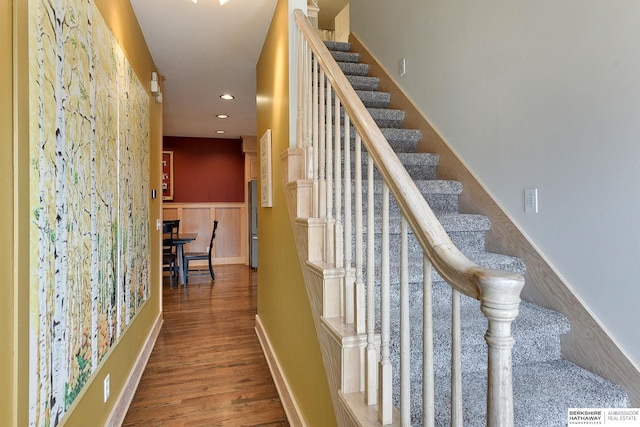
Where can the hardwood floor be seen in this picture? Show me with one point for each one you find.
(207, 367)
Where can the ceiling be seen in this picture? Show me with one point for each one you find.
(205, 50)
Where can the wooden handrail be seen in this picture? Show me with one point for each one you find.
(461, 273)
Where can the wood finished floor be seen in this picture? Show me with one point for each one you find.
(207, 367)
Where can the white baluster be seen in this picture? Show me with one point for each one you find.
(456, 360)
(405, 350)
(308, 108)
(331, 222)
(322, 207)
(337, 192)
(300, 94)
(371, 379)
(385, 404)
(348, 266)
(360, 295)
(428, 381)
(314, 136)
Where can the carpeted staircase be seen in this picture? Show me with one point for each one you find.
(545, 385)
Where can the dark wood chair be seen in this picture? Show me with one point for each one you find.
(169, 256)
(193, 256)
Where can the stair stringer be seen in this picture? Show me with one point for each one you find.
(587, 344)
(342, 350)
(315, 285)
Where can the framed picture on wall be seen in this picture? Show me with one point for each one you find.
(167, 175)
(266, 186)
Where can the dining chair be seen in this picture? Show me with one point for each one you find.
(193, 256)
(169, 256)
(174, 223)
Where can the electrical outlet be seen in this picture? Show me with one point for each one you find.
(158, 224)
(403, 67)
(531, 200)
(107, 387)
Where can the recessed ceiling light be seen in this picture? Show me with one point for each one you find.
(222, 116)
(219, 131)
(227, 96)
(223, 2)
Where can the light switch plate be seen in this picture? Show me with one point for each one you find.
(107, 387)
(531, 200)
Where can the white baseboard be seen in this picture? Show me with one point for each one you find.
(286, 397)
(119, 412)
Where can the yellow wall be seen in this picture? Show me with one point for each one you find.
(6, 215)
(283, 305)
(89, 409)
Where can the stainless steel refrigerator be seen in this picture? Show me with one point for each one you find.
(253, 223)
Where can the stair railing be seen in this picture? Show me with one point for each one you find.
(324, 93)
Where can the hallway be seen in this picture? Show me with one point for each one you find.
(207, 367)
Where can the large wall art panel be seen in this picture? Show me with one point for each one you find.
(90, 243)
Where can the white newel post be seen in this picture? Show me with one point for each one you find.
(500, 301)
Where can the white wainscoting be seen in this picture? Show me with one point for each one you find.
(230, 245)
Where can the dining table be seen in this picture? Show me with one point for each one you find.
(179, 240)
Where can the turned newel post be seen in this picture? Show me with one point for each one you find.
(500, 301)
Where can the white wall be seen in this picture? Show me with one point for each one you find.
(539, 94)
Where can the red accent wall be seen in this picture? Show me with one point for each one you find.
(206, 169)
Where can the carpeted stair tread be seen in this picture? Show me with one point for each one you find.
(439, 186)
(403, 146)
(341, 56)
(364, 82)
(551, 388)
(386, 117)
(427, 186)
(441, 195)
(338, 46)
(498, 261)
(416, 159)
(400, 140)
(468, 241)
(465, 222)
(466, 231)
(402, 135)
(420, 166)
(536, 331)
(454, 222)
(374, 98)
(419, 159)
(354, 69)
(415, 261)
(484, 259)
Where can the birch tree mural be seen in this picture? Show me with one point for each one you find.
(90, 251)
